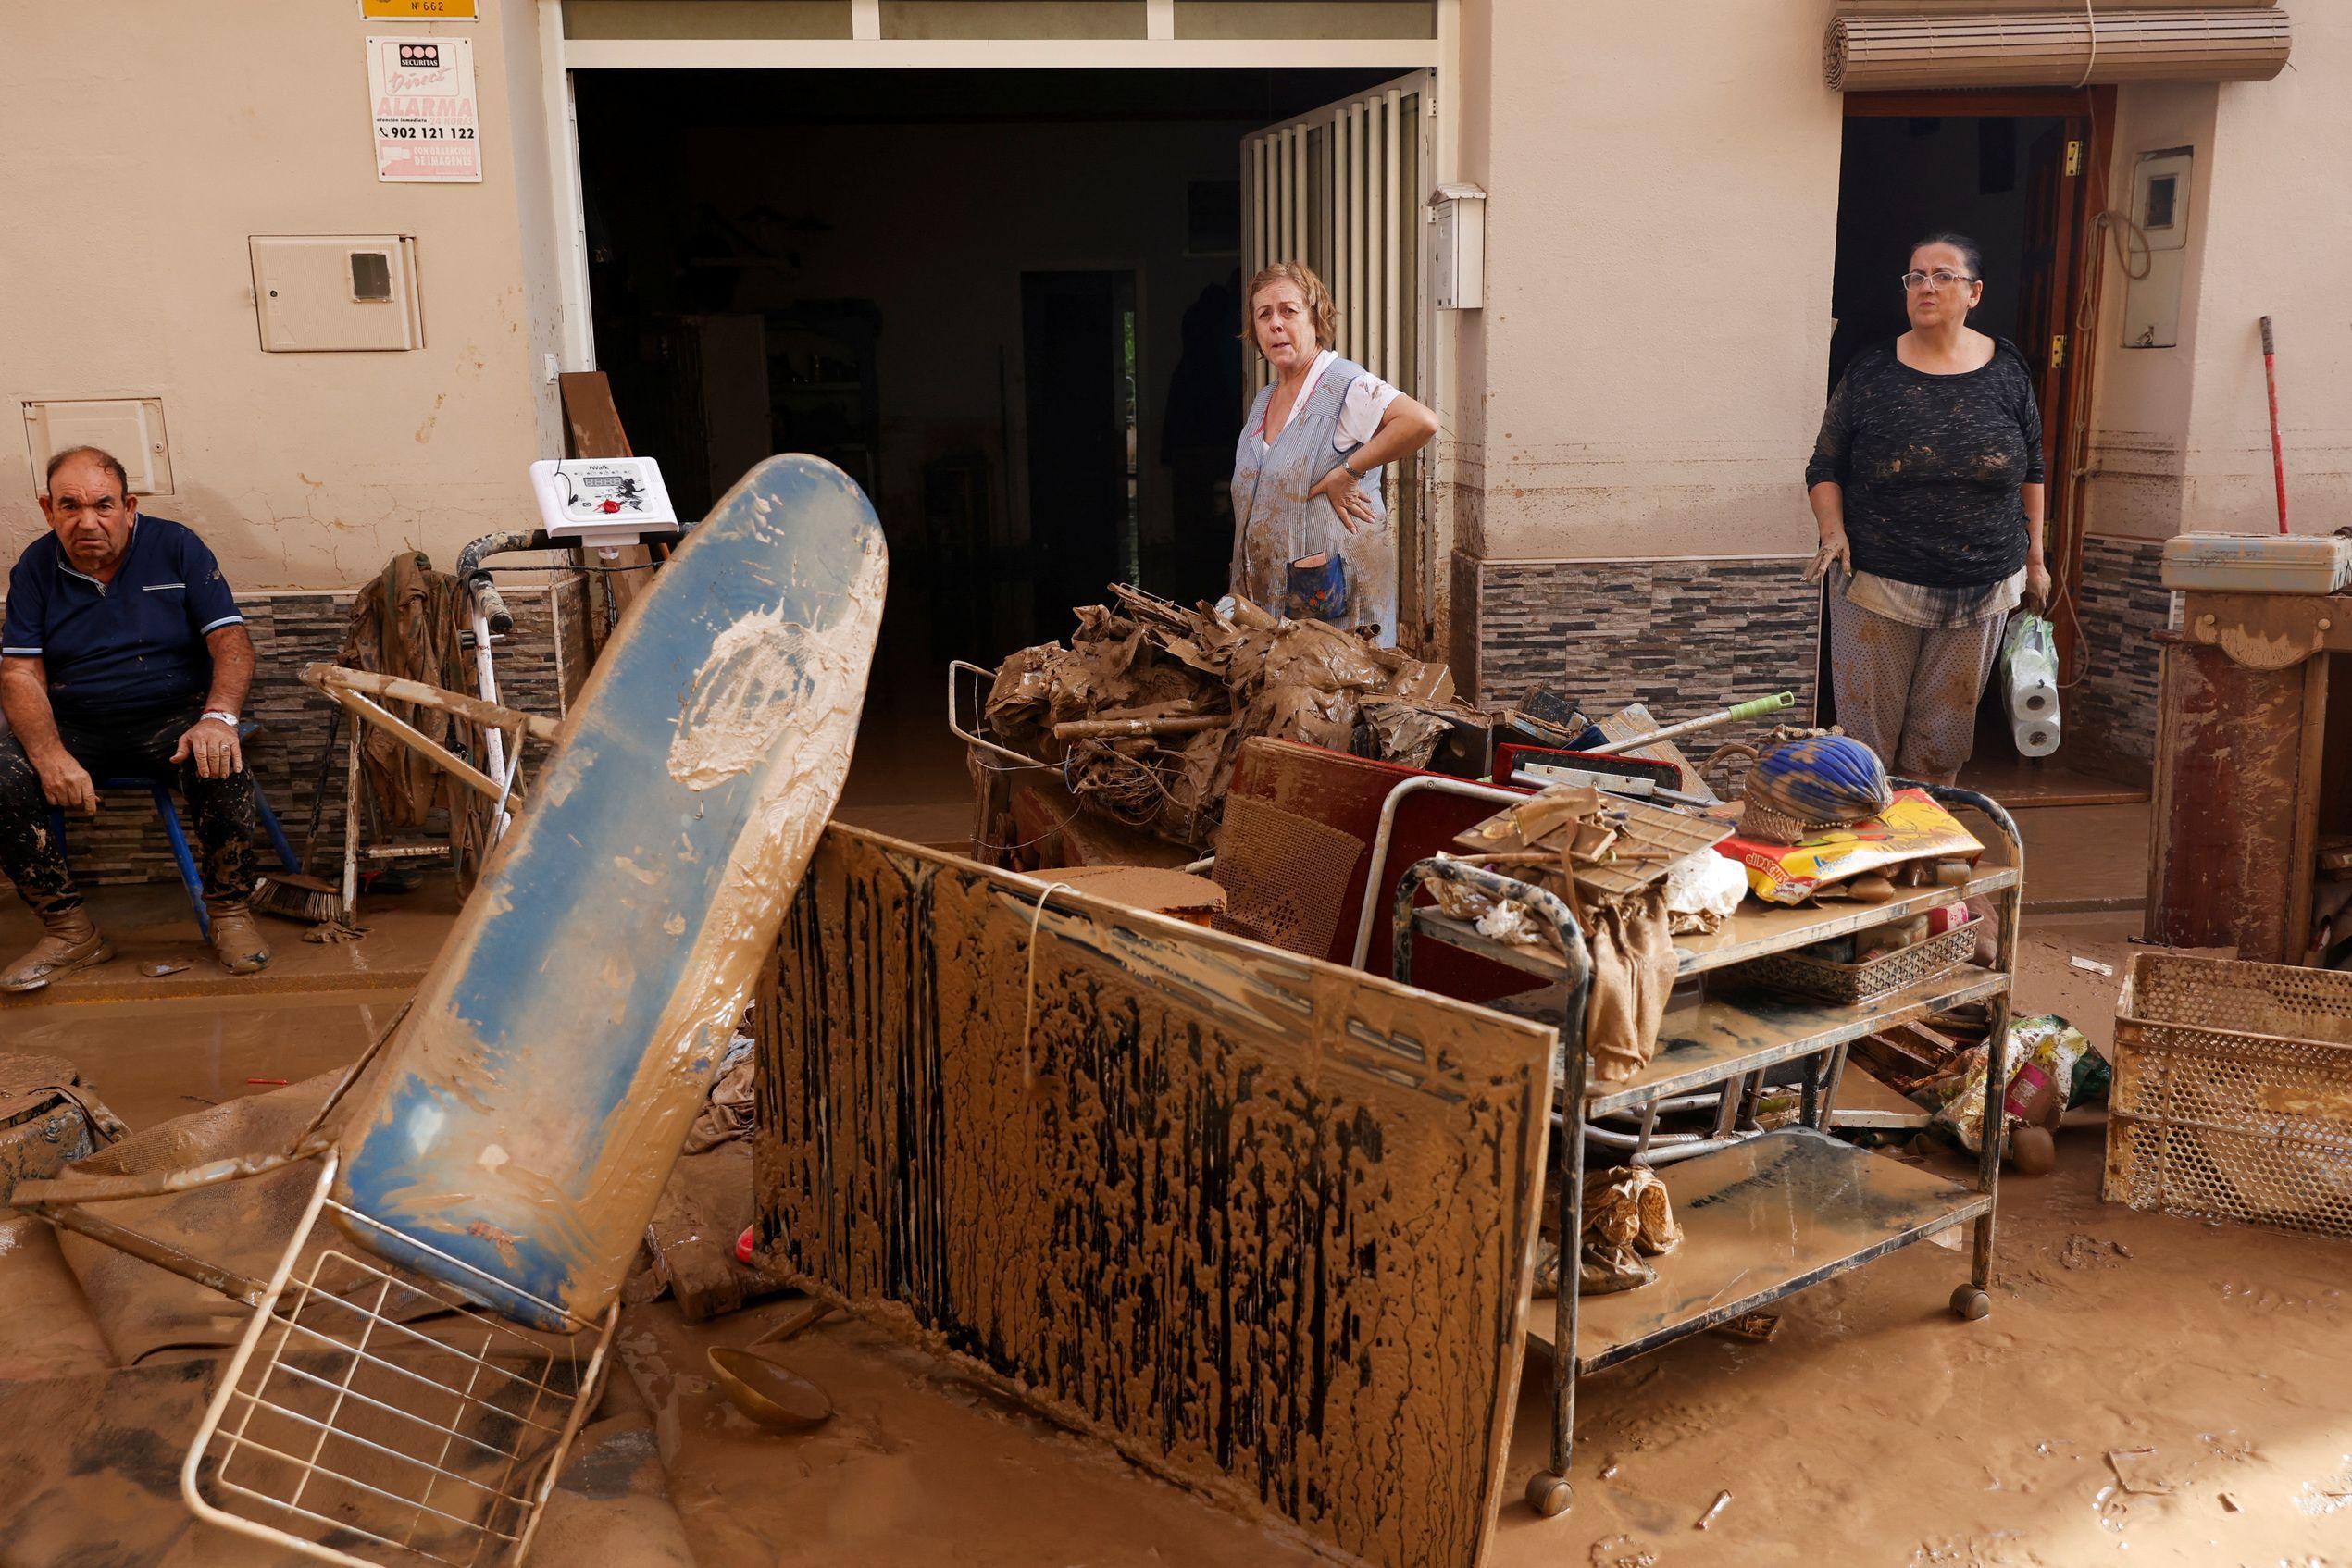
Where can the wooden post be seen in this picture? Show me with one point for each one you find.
(592, 429)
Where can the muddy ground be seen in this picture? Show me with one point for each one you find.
(2146, 1389)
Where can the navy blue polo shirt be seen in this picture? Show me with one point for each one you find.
(131, 646)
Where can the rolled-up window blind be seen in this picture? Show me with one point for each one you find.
(2055, 48)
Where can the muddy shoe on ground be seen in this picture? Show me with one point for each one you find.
(236, 939)
(71, 942)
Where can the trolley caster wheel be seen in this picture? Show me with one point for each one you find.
(1970, 1304)
(1549, 1495)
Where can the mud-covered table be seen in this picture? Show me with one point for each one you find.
(1764, 1215)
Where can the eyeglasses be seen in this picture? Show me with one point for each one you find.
(1943, 277)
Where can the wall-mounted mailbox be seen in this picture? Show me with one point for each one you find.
(324, 293)
(1458, 240)
(2160, 206)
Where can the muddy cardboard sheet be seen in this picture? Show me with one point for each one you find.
(1259, 1221)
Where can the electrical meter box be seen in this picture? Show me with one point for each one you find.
(1458, 240)
(336, 293)
(2160, 206)
(601, 500)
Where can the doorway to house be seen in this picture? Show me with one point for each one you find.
(1005, 302)
(2017, 172)
(1077, 336)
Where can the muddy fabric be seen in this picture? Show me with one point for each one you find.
(1931, 466)
(728, 1113)
(241, 1226)
(404, 623)
(1908, 693)
(123, 746)
(92, 1464)
(1937, 609)
(1633, 970)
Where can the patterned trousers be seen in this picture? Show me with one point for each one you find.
(1907, 693)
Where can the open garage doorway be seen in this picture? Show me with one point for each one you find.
(1005, 302)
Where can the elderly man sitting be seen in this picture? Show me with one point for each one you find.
(122, 654)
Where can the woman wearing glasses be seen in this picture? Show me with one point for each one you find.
(1926, 485)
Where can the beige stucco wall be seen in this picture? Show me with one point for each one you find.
(1643, 382)
(1660, 246)
(1626, 395)
(145, 142)
(2278, 232)
(2180, 436)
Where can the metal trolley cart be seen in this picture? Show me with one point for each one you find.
(1769, 1214)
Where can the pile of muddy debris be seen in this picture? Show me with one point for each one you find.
(1146, 709)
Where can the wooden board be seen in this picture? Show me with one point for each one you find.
(704, 1209)
(2229, 788)
(1258, 1221)
(592, 429)
(528, 1113)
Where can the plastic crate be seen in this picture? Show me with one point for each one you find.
(1858, 983)
(2233, 1097)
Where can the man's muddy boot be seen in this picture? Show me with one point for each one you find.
(235, 939)
(73, 941)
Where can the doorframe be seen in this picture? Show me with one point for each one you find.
(2080, 265)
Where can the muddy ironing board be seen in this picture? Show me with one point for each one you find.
(509, 1150)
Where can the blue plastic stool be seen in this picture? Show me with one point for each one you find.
(159, 790)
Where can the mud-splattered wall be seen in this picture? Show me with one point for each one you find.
(1262, 1223)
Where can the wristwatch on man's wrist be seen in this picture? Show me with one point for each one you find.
(223, 715)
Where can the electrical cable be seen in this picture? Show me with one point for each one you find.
(2090, 28)
(1029, 992)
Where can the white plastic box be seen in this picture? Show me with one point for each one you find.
(2258, 563)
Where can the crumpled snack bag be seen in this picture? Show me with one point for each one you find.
(2043, 1052)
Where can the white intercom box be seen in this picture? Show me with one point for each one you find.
(2161, 208)
(602, 500)
(1458, 242)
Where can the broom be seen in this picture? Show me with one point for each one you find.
(295, 895)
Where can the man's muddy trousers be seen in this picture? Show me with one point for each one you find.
(119, 746)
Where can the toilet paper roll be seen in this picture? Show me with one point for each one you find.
(2035, 737)
(2035, 703)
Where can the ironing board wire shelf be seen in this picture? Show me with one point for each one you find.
(373, 1417)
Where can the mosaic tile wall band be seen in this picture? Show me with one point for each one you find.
(1683, 636)
(125, 842)
(2125, 606)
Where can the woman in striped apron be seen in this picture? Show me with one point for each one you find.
(1310, 536)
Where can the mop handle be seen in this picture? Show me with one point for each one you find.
(1755, 709)
(2278, 454)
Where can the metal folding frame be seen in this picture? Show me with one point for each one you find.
(519, 1399)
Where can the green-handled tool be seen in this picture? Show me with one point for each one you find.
(1759, 708)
